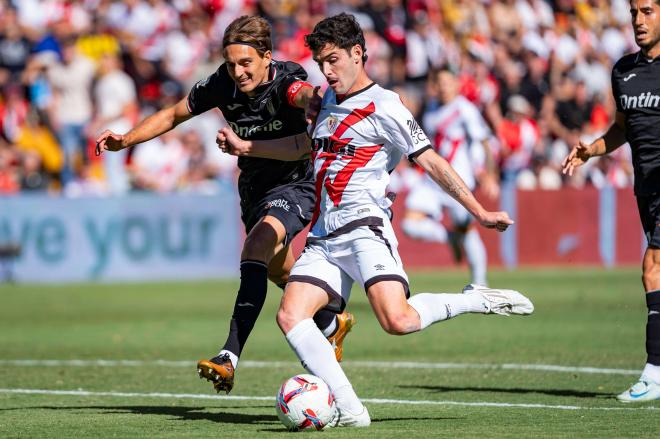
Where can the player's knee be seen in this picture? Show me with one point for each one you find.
(287, 318)
(399, 324)
(651, 274)
(257, 248)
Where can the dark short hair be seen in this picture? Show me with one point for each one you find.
(341, 30)
(253, 31)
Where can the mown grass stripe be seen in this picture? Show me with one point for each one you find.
(272, 398)
(373, 364)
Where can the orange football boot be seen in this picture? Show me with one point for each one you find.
(345, 322)
(219, 371)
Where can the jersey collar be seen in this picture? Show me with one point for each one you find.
(342, 98)
(640, 58)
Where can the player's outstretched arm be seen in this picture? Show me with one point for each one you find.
(443, 174)
(153, 126)
(286, 148)
(611, 140)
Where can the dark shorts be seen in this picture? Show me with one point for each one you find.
(649, 213)
(291, 204)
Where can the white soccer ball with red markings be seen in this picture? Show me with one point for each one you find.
(305, 401)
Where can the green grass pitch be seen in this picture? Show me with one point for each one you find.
(462, 378)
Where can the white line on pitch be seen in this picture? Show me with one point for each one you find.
(272, 399)
(373, 364)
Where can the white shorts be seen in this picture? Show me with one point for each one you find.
(363, 251)
(429, 198)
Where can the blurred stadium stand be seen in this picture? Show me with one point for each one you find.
(537, 69)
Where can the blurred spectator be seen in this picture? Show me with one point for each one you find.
(160, 164)
(519, 137)
(36, 137)
(554, 55)
(116, 110)
(71, 81)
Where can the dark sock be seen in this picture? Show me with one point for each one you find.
(249, 301)
(323, 318)
(653, 328)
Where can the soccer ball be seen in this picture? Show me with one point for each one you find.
(305, 401)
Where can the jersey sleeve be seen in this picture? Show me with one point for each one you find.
(401, 129)
(204, 94)
(295, 79)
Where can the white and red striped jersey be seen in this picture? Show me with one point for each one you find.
(356, 142)
(458, 132)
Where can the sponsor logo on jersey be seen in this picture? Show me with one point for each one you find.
(243, 131)
(232, 107)
(416, 132)
(629, 77)
(280, 202)
(643, 100)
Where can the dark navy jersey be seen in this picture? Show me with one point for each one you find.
(636, 89)
(265, 116)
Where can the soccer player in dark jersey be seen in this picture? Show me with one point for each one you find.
(261, 99)
(636, 89)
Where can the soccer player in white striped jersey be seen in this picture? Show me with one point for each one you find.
(359, 128)
(460, 135)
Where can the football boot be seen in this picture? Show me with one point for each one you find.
(219, 371)
(345, 321)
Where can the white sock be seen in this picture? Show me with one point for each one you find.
(475, 253)
(652, 372)
(426, 229)
(318, 357)
(435, 307)
(330, 329)
(232, 356)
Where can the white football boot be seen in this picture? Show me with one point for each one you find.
(502, 302)
(643, 390)
(348, 419)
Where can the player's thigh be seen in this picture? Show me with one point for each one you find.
(315, 267)
(389, 301)
(264, 240)
(280, 266)
(301, 300)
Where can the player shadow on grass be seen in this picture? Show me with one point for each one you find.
(380, 420)
(551, 392)
(180, 413)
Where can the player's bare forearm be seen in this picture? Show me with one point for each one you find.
(157, 124)
(612, 139)
(443, 174)
(288, 148)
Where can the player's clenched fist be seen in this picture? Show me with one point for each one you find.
(499, 221)
(230, 143)
(109, 141)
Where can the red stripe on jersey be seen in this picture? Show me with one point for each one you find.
(356, 116)
(337, 187)
(320, 176)
(293, 91)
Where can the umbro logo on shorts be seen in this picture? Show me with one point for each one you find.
(379, 267)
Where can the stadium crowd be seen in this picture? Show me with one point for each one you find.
(539, 71)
